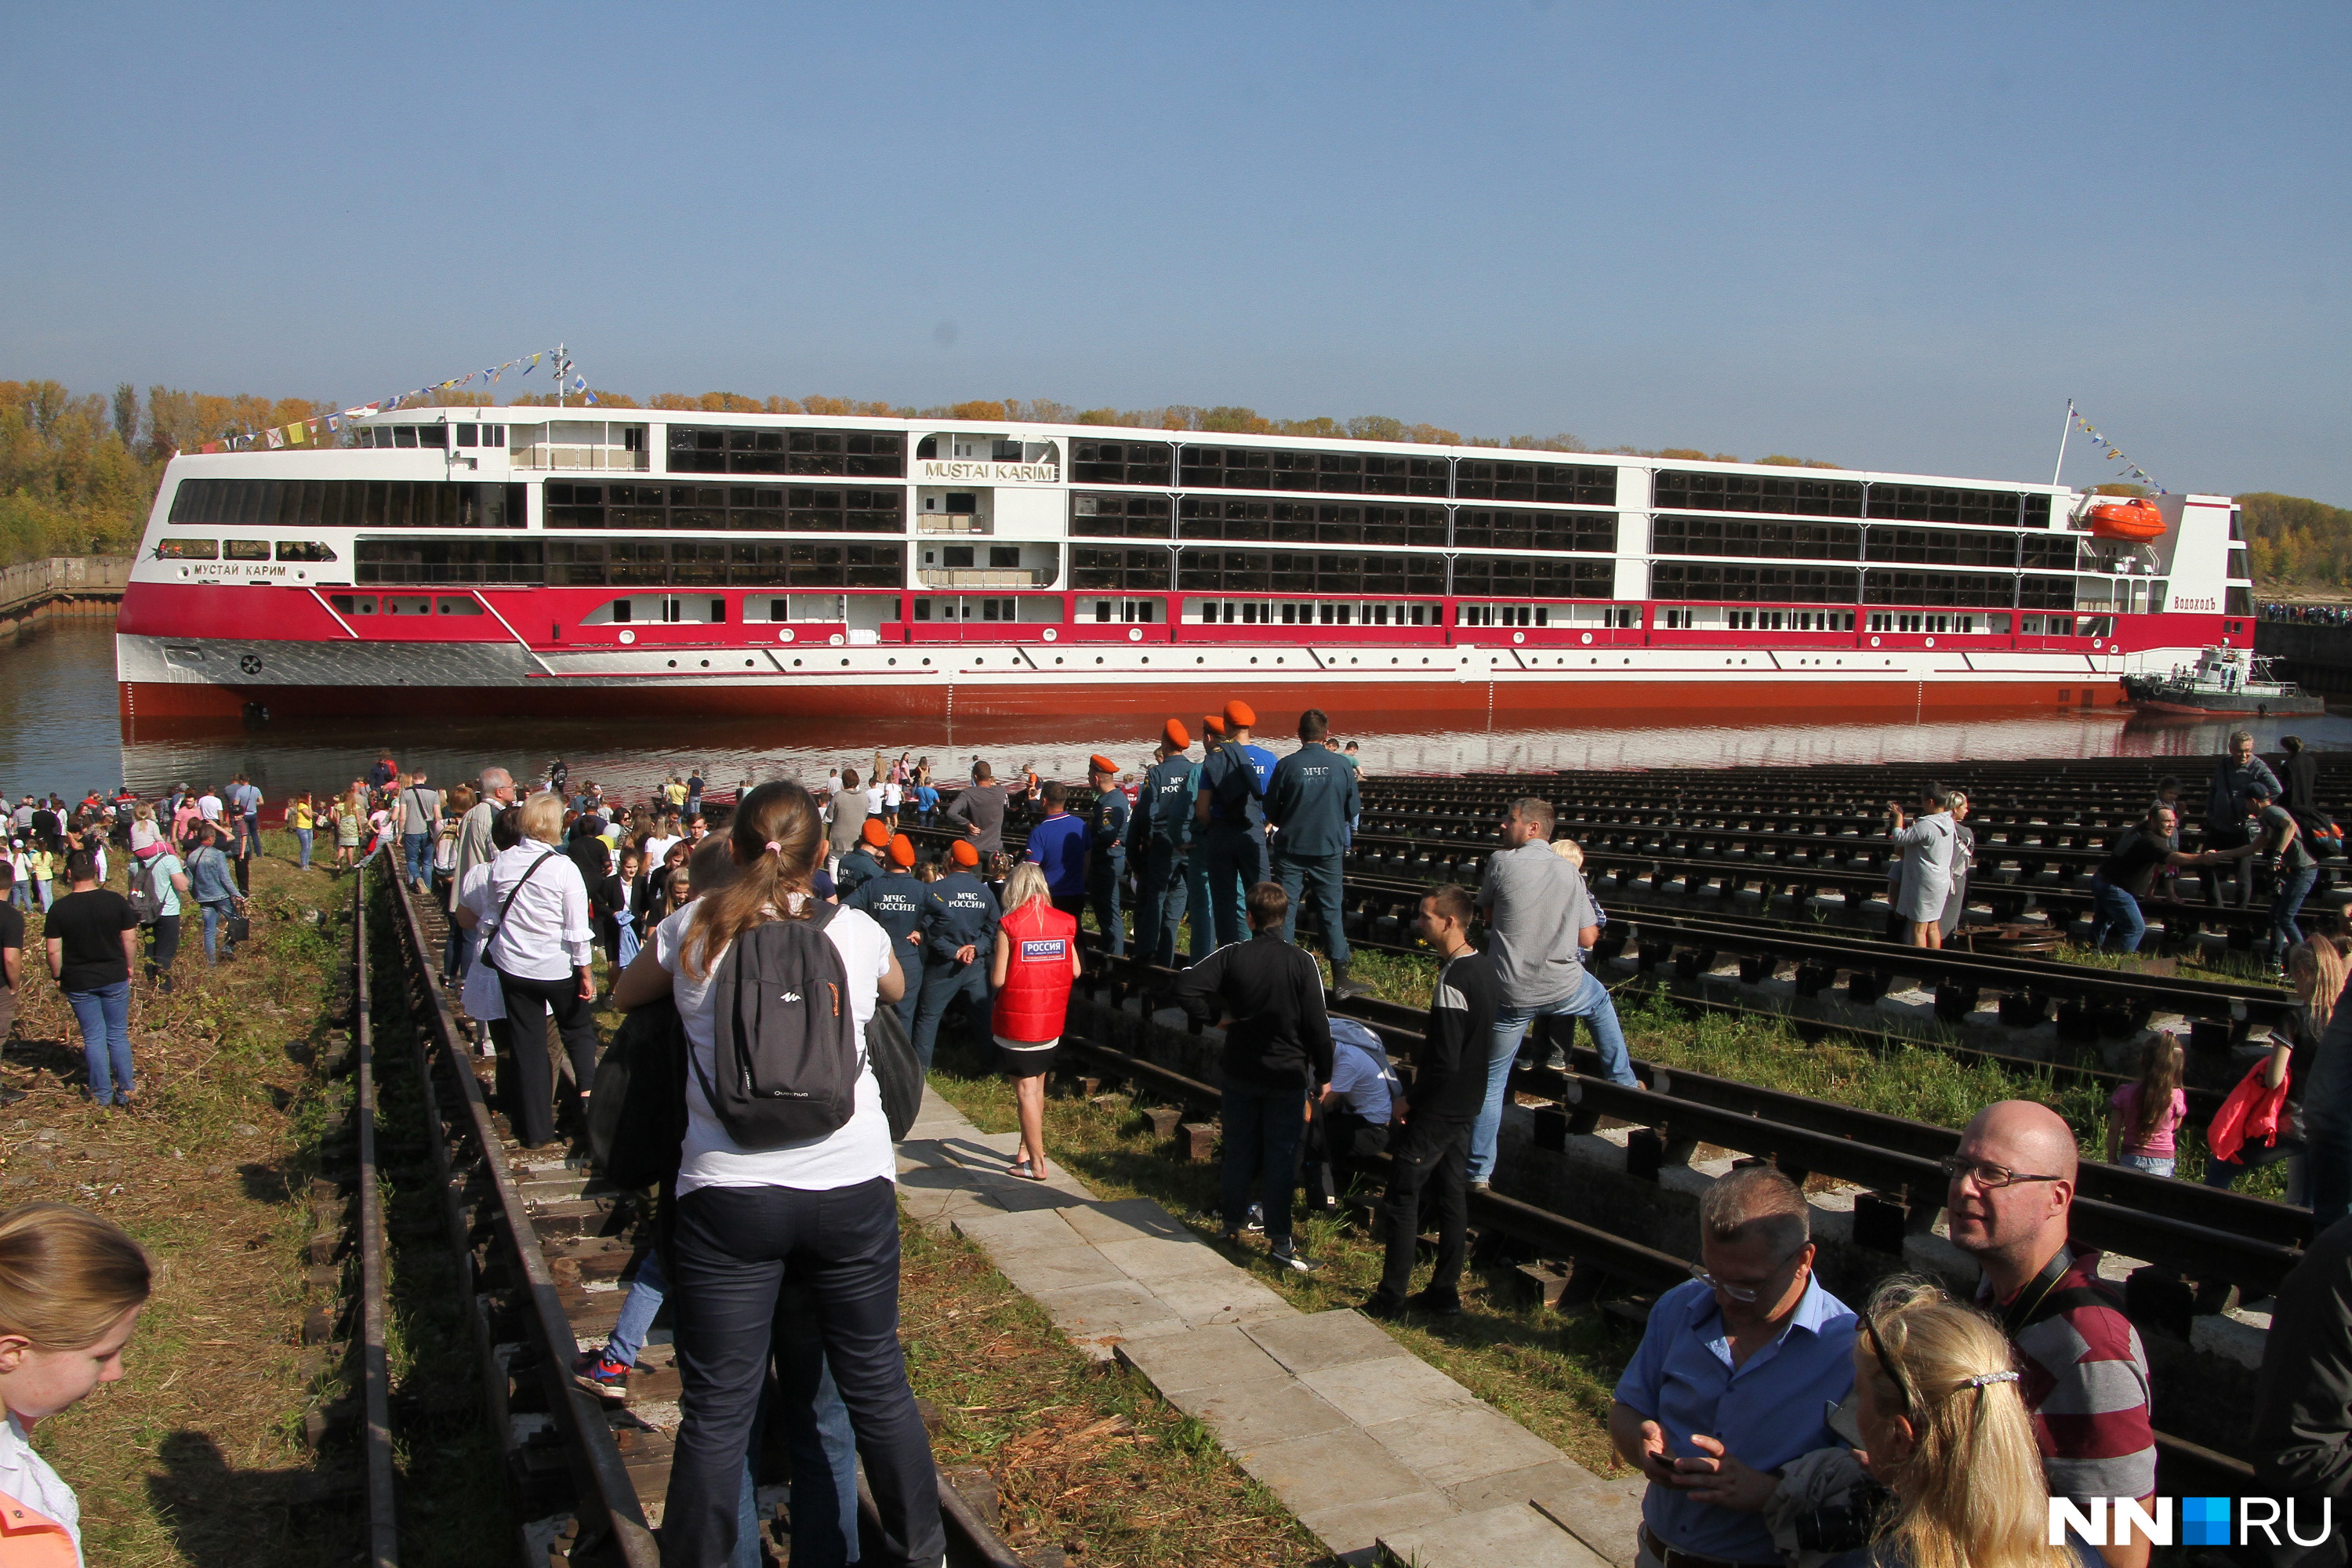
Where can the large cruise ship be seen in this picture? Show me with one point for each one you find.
(473, 562)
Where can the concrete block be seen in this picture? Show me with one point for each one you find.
(1554, 1481)
(1354, 1526)
(2222, 1336)
(1246, 1415)
(1232, 1296)
(1006, 1233)
(1097, 1317)
(1205, 1358)
(1314, 1341)
(1127, 1219)
(1154, 1258)
(1461, 1443)
(1034, 1270)
(1606, 1515)
(1386, 1388)
(1331, 1469)
(1517, 1535)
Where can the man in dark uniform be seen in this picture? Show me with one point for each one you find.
(1158, 836)
(863, 863)
(1309, 801)
(1107, 854)
(958, 926)
(895, 900)
(1230, 803)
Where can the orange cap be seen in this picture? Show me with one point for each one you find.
(963, 853)
(902, 851)
(1212, 725)
(1101, 763)
(875, 833)
(1240, 715)
(1175, 734)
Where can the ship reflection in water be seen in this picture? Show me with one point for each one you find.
(59, 731)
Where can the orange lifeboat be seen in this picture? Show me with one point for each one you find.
(2133, 521)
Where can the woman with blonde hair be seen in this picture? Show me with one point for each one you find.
(2315, 972)
(538, 938)
(1030, 970)
(822, 1210)
(71, 1286)
(1945, 1428)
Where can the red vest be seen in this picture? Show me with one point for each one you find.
(1036, 995)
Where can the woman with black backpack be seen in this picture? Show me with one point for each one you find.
(787, 1167)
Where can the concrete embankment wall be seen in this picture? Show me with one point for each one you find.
(2318, 658)
(32, 592)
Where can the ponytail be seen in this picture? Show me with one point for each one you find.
(774, 841)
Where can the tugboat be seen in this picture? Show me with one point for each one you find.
(2222, 680)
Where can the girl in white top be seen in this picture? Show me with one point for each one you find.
(71, 1286)
(143, 830)
(822, 1210)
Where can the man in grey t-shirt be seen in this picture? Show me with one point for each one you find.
(1540, 915)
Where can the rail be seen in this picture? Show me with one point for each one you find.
(375, 1367)
(609, 1517)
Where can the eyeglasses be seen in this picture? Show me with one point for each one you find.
(1746, 1295)
(1894, 1373)
(1986, 1175)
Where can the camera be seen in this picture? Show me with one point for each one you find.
(1847, 1525)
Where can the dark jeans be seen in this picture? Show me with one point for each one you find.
(527, 1003)
(1314, 877)
(1160, 904)
(162, 947)
(2328, 1145)
(1102, 891)
(1263, 1126)
(734, 1248)
(2294, 887)
(1236, 863)
(943, 981)
(105, 1018)
(1432, 1155)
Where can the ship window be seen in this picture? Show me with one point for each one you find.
(1121, 462)
(246, 549)
(1537, 578)
(1309, 522)
(1139, 568)
(849, 454)
(348, 503)
(928, 447)
(1942, 503)
(746, 509)
(456, 606)
(1676, 490)
(351, 603)
(1571, 484)
(1676, 535)
(1986, 590)
(1752, 584)
(1118, 516)
(303, 549)
(1001, 556)
(470, 436)
(404, 435)
(1943, 547)
(188, 549)
(957, 556)
(1504, 528)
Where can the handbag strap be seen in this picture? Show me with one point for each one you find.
(499, 926)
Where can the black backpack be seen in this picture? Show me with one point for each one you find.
(784, 1046)
(636, 1117)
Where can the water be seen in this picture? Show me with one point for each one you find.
(59, 730)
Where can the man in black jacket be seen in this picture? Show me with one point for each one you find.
(1432, 1152)
(1267, 996)
(2302, 1440)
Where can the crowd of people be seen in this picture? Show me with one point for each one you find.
(1773, 1422)
(2306, 615)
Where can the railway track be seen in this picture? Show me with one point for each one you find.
(1604, 1262)
(541, 1246)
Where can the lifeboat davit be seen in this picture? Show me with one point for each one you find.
(2134, 521)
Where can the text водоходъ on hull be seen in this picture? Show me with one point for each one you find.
(520, 560)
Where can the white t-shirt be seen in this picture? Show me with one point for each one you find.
(26, 1477)
(656, 850)
(874, 797)
(858, 1151)
(208, 806)
(480, 993)
(892, 793)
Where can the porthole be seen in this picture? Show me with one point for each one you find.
(1519, 636)
(1277, 658)
(1097, 658)
(785, 636)
(1053, 634)
(1588, 639)
(629, 637)
(1874, 642)
(835, 639)
(1147, 659)
(746, 664)
(1199, 659)
(796, 664)
(1135, 634)
(1931, 643)
(706, 664)
(894, 664)
(1058, 659)
(673, 664)
(980, 661)
(1253, 659)
(844, 664)
(926, 664)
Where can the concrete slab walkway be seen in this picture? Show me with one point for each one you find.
(1376, 1451)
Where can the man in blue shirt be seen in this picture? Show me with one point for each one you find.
(1310, 800)
(1157, 835)
(1735, 1375)
(1231, 804)
(1107, 851)
(1057, 845)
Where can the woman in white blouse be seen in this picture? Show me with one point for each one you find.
(823, 1211)
(536, 935)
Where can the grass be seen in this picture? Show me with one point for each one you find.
(1549, 1370)
(196, 1457)
(1084, 1456)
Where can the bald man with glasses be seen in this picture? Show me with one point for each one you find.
(2084, 1371)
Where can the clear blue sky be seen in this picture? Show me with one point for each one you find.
(1895, 236)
